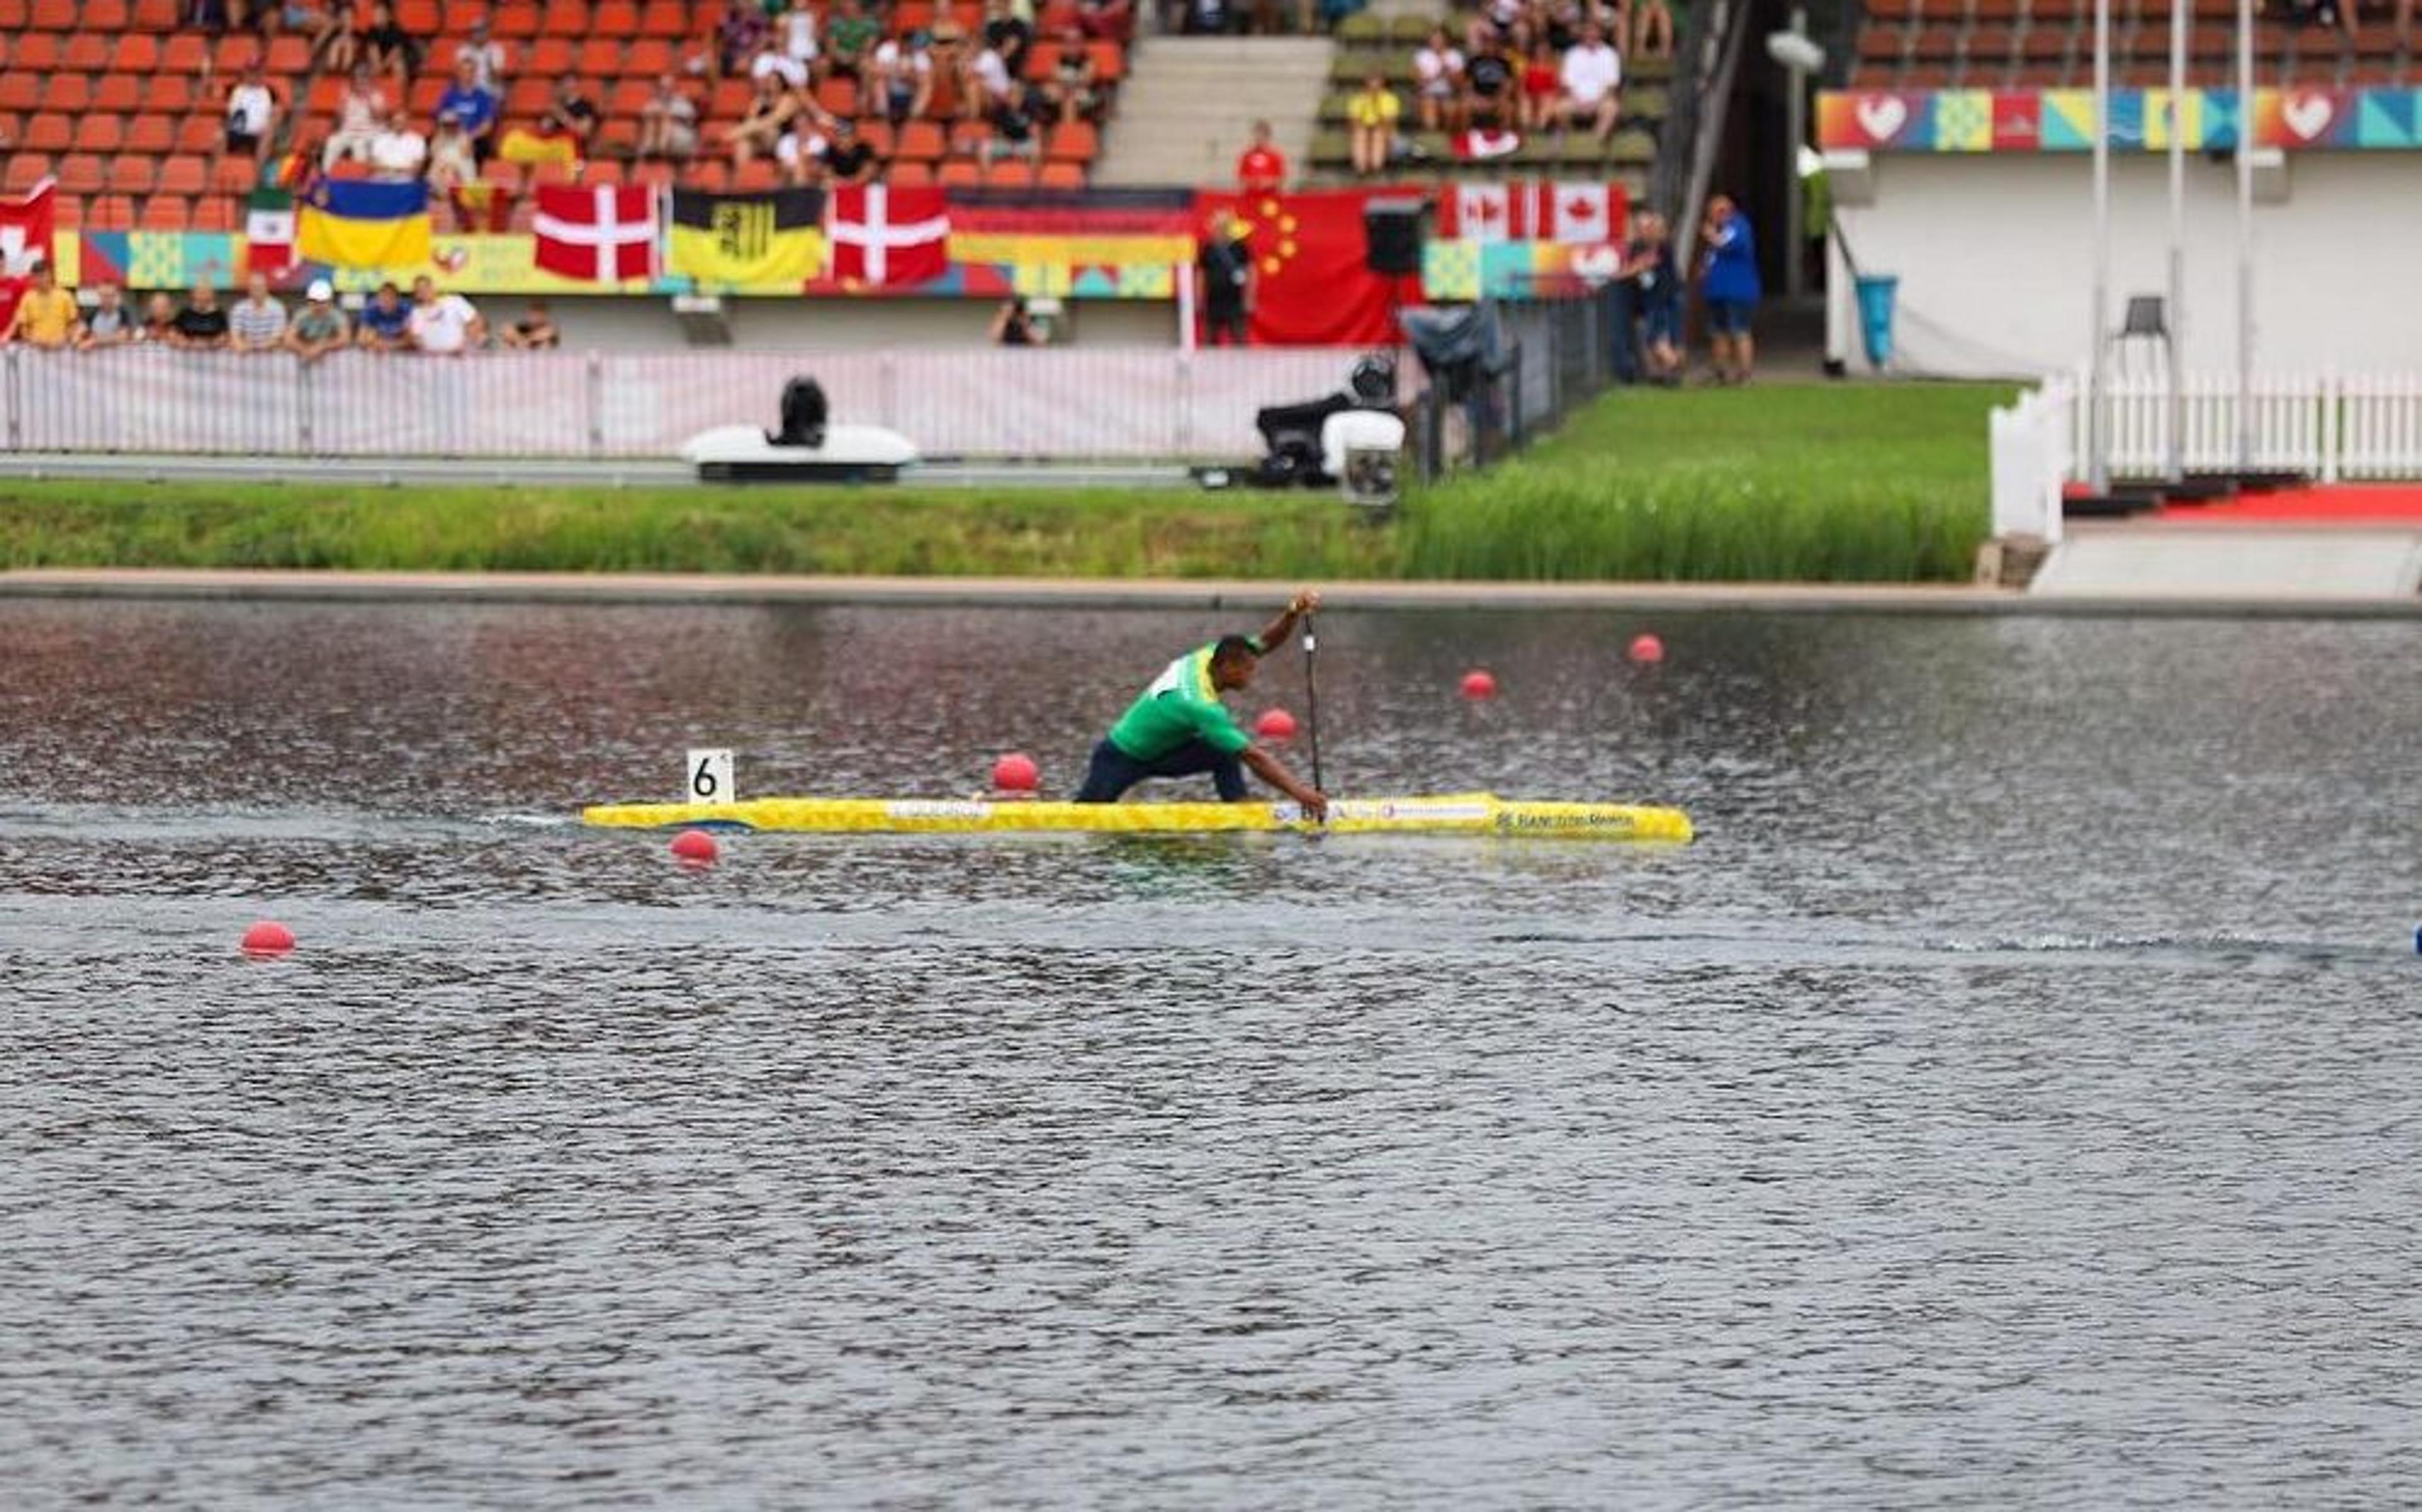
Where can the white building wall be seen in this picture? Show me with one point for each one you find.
(1995, 257)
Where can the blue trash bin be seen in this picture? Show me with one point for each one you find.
(1876, 298)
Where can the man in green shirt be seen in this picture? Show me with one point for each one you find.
(1179, 728)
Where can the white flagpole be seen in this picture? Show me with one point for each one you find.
(2245, 234)
(2181, 17)
(2098, 430)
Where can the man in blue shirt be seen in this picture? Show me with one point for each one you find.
(385, 320)
(472, 108)
(1728, 283)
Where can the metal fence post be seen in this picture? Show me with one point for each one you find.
(302, 409)
(1184, 404)
(596, 376)
(16, 401)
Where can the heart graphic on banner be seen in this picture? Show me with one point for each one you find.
(1881, 117)
(2309, 116)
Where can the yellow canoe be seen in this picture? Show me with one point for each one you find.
(1445, 814)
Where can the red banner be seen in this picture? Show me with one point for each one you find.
(25, 241)
(1313, 286)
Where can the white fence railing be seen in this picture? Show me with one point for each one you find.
(2031, 459)
(990, 402)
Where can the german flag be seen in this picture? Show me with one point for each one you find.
(743, 242)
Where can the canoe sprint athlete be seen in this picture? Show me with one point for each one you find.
(1179, 728)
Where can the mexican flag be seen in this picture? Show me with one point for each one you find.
(269, 232)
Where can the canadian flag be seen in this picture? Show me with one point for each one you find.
(25, 226)
(883, 237)
(600, 235)
(1478, 146)
(1487, 213)
(1583, 215)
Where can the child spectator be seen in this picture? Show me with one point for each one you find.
(251, 111)
(1437, 82)
(1371, 118)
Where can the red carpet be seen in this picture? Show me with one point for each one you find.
(2342, 504)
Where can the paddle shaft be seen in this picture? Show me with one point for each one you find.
(1311, 696)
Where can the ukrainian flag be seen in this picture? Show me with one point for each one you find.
(364, 222)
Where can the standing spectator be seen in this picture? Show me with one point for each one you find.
(668, 122)
(443, 325)
(1657, 296)
(1371, 118)
(904, 76)
(387, 48)
(159, 321)
(1437, 82)
(470, 104)
(47, 316)
(359, 112)
(739, 31)
(1075, 88)
(849, 40)
(1009, 34)
(486, 57)
(387, 321)
(257, 322)
(1728, 282)
(569, 116)
(1488, 84)
(765, 124)
(770, 61)
(111, 323)
(202, 324)
(798, 30)
(1655, 38)
(1012, 326)
(534, 332)
(318, 327)
(398, 153)
(1227, 265)
(251, 111)
(843, 158)
(1593, 79)
(1260, 168)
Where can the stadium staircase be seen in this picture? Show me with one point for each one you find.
(1191, 102)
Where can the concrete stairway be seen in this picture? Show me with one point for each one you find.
(1189, 105)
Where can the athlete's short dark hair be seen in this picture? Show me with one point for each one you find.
(1231, 646)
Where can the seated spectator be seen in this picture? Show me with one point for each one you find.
(1013, 131)
(471, 105)
(1654, 34)
(1488, 87)
(668, 122)
(798, 33)
(903, 78)
(761, 127)
(1261, 167)
(1012, 326)
(1073, 90)
(1437, 82)
(202, 324)
(795, 150)
(849, 42)
(319, 327)
(1107, 20)
(110, 323)
(1478, 33)
(534, 332)
(1593, 79)
(442, 325)
(295, 16)
(842, 156)
(453, 166)
(159, 321)
(399, 152)
(1539, 102)
(990, 86)
(360, 111)
(387, 48)
(1371, 120)
(257, 322)
(251, 111)
(47, 316)
(740, 31)
(340, 48)
(771, 61)
(487, 57)
(570, 117)
(1009, 34)
(386, 321)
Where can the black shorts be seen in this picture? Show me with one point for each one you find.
(242, 143)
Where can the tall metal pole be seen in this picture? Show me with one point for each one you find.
(1795, 199)
(2098, 427)
(2245, 234)
(2181, 17)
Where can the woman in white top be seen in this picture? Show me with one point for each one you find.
(799, 34)
(1437, 82)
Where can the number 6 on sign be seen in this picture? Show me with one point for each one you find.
(708, 777)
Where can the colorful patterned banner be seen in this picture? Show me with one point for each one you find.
(2062, 120)
(1454, 271)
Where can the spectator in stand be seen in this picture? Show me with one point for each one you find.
(1488, 87)
(398, 153)
(798, 32)
(770, 61)
(1593, 79)
(739, 33)
(842, 156)
(1657, 296)
(472, 105)
(386, 322)
(1012, 326)
(1012, 130)
(1074, 90)
(257, 322)
(1202, 18)
(251, 111)
(340, 48)
(359, 112)
(454, 168)
(534, 332)
(764, 125)
(1477, 35)
(202, 324)
(487, 57)
(1728, 283)
(1540, 102)
(319, 327)
(110, 324)
(904, 77)
(668, 123)
(849, 42)
(387, 48)
(159, 321)
(47, 316)
(795, 150)
(1107, 20)
(570, 117)
(1260, 168)
(1371, 121)
(1655, 37)
(1437, 82)
(1227, 265)
(990, 86)
(1009, 34)
(443, 325)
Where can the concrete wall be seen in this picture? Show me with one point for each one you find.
(623, 324)
(1995, 256)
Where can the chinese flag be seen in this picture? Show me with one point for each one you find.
(1311, 284)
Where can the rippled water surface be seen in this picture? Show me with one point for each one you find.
(2012, 1100)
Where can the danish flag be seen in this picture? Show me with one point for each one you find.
(882, 236)
(600, 235)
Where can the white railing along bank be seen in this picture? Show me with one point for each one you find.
(989, 402)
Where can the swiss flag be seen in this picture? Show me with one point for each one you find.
(600, 235)
(1584, 214)
(25, 225)
(882, 237)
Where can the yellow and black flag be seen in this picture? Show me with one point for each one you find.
(767, 242)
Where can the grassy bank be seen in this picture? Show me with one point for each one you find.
(1783, 484)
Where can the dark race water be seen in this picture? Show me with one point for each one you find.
(2011, 1101)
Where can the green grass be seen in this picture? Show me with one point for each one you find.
(1865, 483)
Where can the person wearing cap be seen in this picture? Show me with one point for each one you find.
(319, 327)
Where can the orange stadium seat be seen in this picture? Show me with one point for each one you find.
(710, 176)
(184, 53)
(48, 132)
(109, 212)
(968, 16)
(165, 213)
(230, 175)
(67, 212)
(156, 15)
(10, 124)
(1076, 142)
(13, 15)
(600, 57)
(216, 213)
(908, 175)
(53, 16)
(550, 56)
(235, 53)
(663, 19)
(181, 175)
(1011, 175)
(1062, 176)
(877, 133)
(627, 96)
(1041, 60)
(37, 53)
(288, 55)
(756, 176)
(107, 17)
(960, 173)
(912, 16)
(659, 174)
(68, 92)
(418, 17)
(615, 19)
(168, 93)
(514, 23)
(118, 92)
(421, 104)
(153, 135)
(200, 134)
(86, 53)
(459, 14)
(1109, 61)
(730, 101)
(80, 173)
(19, 92)
(649, 57)
(968, 138)
(921, 140)
(98, 132)
(839, 96)
(25, 170)
(564, 18)
(130, 175)
(603, 173)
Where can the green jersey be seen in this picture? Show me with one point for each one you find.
(1180, 705)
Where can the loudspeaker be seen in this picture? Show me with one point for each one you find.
(1393, 233)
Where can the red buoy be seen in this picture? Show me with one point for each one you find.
(1016, 774)
(1479, 684)
(695, 847)
(1275, 724)
(268, 938)
(1646, 650)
